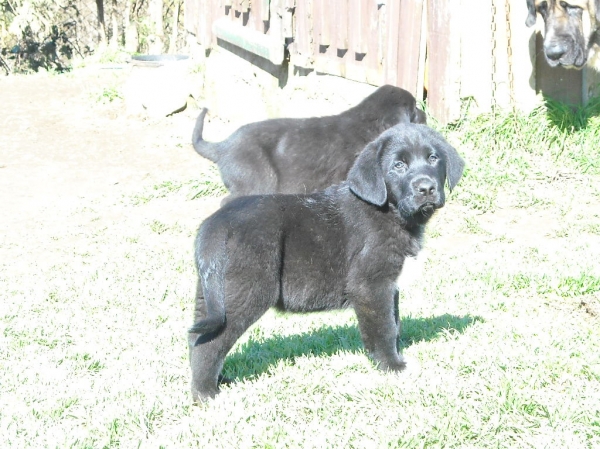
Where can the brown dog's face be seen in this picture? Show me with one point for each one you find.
(569, 29)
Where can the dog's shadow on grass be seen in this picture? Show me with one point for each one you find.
(254, 358)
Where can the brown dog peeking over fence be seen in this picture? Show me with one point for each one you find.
(572, 31)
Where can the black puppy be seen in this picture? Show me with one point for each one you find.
(342, 247)
(304, 155)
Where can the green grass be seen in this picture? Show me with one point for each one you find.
(107, 95)
(93, 350)
(208, 184)
(505, 149)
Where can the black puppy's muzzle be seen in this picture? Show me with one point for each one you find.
(428, 195)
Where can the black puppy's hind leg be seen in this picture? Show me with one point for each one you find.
(204, 370)
(245, 302)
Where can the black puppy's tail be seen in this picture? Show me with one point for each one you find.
(208, 325)
(214, 319)
(202, 147)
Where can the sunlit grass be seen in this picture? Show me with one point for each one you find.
(93, 350)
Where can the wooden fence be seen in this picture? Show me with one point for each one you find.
(448, 50)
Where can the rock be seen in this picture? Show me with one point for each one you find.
(158, 85)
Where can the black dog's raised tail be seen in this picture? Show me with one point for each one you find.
(202, 147)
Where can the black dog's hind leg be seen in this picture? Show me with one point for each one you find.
(379, 324)
(204, 379)
(208, 352)
(207, 358)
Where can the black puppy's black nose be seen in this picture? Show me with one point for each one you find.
(554, 50)
(425, 187)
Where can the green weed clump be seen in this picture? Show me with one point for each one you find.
(508, 147)
(208, 184)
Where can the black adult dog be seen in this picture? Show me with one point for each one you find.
(342, 247)
(572, 31)
(304, 155)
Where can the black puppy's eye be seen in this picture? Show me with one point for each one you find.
(543, 6)
(433, 158)
(400, 165)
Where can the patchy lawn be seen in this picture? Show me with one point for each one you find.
(97, 284)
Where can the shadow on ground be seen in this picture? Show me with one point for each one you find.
(257, 357)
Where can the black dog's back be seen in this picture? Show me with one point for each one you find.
(286, 233)
(308, 154)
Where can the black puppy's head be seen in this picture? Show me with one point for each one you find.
(407, 167)
(569, 27)
(394, 105)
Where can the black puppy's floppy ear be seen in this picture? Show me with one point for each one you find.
(366, 177)
(454, 164)
(531, 17)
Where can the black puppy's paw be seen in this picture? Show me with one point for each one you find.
(411, 368)
(396, 366)
(224, 380)
(200, 397)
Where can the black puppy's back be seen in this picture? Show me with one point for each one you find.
(291, 236)
(304, 155)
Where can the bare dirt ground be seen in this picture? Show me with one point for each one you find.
(65, 147)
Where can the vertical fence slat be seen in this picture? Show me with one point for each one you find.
(341, 28)
(302, 37)
(204, 36)
(409, 45)
(359, 29)
(264, 8)
(523, 60)
(287, 19)
(256, 16)
(443, 95)
(374, 63)
(477, 48)
(275, 19)
(317, 13)
(392, 10)
(325, 19)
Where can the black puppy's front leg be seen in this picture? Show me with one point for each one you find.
(379, 326)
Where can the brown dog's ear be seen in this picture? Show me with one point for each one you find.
(366, 177)
(531, 17)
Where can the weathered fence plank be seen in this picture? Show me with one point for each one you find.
(443, 50)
